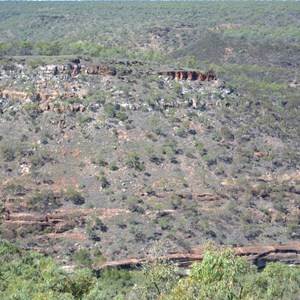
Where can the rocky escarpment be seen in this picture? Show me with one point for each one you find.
(55, 87)
(62, 222)
(190, 75)
(260, 255)
(57, 221)
(51, 81)
(74, 69)
(66, 85)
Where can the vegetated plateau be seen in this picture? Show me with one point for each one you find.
(125, 124)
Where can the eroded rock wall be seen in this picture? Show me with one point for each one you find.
(260, 255)
(189, 75)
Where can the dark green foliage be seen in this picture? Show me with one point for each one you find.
(45, 200)
(113, 284)
(99, 161)
(222, 275)
(85, 119)
(39, 159)
(31, 107)
(103, 181)
(112, 166)
(276, 281)
(46, 137)
(7, 152)
(83, 258)
(252, 28)
(74, 196)
(30, 275)
(48, 48)
(222, 157)
(15, 190)
(115, 111)
(135, 205)
(181, 132)
(133, 161)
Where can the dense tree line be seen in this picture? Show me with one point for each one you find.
(56, 48)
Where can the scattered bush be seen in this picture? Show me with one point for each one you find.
(46, 200)
(7, 152)
(74, 196)
(133, 161)
(103, 181)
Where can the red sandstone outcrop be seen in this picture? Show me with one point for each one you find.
(75, 69)
(47, 101)
(257, 254)
(53, 82)
(60, 220)
(63, 220)
(189, 75)
(260, 254)
(62, 107)
(260, 154)
(100, 70)
(14, 94)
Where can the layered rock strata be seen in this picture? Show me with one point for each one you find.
(260, 255)
(189, 75)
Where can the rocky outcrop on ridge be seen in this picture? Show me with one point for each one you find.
(64, 86)
(190, 75)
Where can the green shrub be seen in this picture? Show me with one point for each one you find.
(8, 153)
(219, 276)
(112, 166)
(30, 107)
(45, 199)
(83, 258)
(74, 196)
(181, 132)
(103, 181)
(99, 161)
(133, 161)
(115, 111)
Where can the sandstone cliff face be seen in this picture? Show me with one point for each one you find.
(51, 86)
(190, 75)
(100, 70)
(63, 222)
(260, 255)
(62, 107)
(63, 87)
(59, 220)
(14, 94)
(76, 69)
(55, 152)
(55, 81)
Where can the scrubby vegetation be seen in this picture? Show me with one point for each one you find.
(196, 30)
(105, 148)
(221, 275)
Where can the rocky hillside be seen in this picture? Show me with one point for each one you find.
(115, 154)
